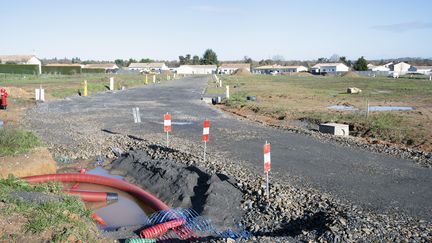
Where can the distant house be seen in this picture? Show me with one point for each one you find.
(420, 69)
(329, 68)
(379, 68)
(273, 69)
(230, 68)
(400, 68)
(196, 69)
(21, 59)
(388, 64)
(108, 67)
(156, 67)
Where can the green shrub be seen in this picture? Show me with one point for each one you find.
(93, 70)
(15, 141)
(67, 70)
(19, 68)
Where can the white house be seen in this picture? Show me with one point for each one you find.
(420, 69)
(149, 67)
(380, 68)
(401, 68)
(329, 68)
(196, 69)
(230, 68)
(273, 69)
(21, 59)
(108, 67)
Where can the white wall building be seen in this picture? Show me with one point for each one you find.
(22, 59)
(196, 69)
(230, 68)
(380, 68)
(420, 69)
(108, 67)
(274, 69)
(148, 67)
(329, 68)
(401, 68)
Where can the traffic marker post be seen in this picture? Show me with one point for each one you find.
(85, 88)
(136, 115)
(205, 136)
(154, 78)
(40, 94)
(267, 166)
(146, 79)
(227, 93)
(111, 84)
(167, 126)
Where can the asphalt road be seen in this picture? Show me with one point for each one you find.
(377, 181)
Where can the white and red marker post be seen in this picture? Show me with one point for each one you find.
(167, 126)
(205, 136)
(267, 166)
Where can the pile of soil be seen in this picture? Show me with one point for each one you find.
(37, 162)
(213, 196)
(242, 72)
(351, 74)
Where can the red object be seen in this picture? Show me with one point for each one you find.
(88, 196)
(136, 191)
(267, 160)
(160, 229)
(206, 131)
(4, 94)
(98, 219)
(167, 122)
(82, 171)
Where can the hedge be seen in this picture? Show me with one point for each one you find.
(19, 68)
(68, 70)
(93, 70)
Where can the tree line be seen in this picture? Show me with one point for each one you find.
(209, 57)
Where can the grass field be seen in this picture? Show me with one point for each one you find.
(60, 86)
(285, 97)
(65, 220)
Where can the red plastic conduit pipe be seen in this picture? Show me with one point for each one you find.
(162, 228)
(136, 191)
(88, 196)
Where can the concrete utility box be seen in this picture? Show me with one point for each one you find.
(335, 129)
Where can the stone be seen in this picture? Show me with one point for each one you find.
(334, 129)
(353, 90)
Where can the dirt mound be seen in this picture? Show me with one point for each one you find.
(242, 72)
(351, 74)
(38, 162)
(213, 196)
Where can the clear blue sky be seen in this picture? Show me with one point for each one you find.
(296, 30)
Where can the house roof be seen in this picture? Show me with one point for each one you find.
(16, 58)
(318, 65)
(102, 65)
(200, 66)
(235, 65)
(276, 66)
(147, 65)
(63, 65)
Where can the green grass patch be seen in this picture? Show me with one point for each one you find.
(61, 218)
(16, 141)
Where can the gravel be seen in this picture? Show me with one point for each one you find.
(291, 213)
(422, 158)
